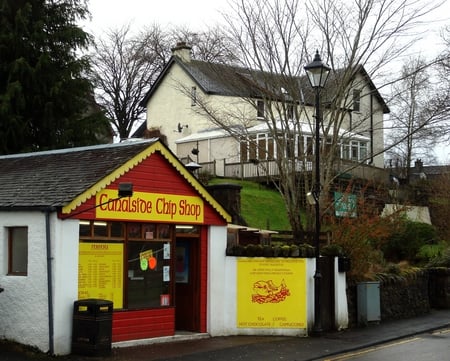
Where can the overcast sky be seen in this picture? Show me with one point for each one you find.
(201, 14)
(197, 14)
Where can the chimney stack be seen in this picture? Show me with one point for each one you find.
(182, 51)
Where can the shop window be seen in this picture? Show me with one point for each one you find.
(100, 229)
(131, 260)
(149, 274)
(17, 251)
(85, 229)
(134, 230)
(117, 229)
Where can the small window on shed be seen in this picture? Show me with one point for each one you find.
(356, 100)
(17, 251)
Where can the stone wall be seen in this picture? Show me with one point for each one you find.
(404, 296)
(440, 287)
(400, 296)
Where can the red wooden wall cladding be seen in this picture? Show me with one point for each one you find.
(135, 325)
(154, 175)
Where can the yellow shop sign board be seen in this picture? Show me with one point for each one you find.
(149, 206)
(271, 293)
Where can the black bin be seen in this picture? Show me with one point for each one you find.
(92, 327)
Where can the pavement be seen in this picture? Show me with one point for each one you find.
(200, 347)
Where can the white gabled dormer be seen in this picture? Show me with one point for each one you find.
(182, 51)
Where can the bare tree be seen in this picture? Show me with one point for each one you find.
(277, 38)
(411, 134)
(125, 65)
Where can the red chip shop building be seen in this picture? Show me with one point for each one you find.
(125, 222)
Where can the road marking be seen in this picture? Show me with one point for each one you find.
(441, 332)
(372, 349)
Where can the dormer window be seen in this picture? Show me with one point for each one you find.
(260, 109)
(193, 96)
(356, 100)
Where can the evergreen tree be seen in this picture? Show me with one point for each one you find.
(46, 101)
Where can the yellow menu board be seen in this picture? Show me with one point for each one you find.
(100, 272)
(271, 293)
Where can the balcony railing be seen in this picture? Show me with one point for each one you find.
(269, 169)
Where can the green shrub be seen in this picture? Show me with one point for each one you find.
(332, 250)
(442, 260)
(429, 252)
(405, 243)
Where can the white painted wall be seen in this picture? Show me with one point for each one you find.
(24, 303)
(65, 241)
(340, 297)
(24, 307)
(222, 286)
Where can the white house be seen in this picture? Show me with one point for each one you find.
(176, 107)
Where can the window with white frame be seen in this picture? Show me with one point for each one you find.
(257, 147)
(356, 100)
(17, 251)
(354, 150)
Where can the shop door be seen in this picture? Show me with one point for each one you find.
(187, 295)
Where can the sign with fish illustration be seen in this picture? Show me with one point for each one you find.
(271, 293)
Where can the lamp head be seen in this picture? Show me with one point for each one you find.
(317, 72)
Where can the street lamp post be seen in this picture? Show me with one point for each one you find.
(317, 73)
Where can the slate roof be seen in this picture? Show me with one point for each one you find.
(229, 80)
(54, 178)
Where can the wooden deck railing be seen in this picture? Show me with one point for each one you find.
(269, 169)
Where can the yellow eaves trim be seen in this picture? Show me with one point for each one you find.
(154, 147)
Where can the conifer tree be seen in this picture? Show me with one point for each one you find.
(46, 101)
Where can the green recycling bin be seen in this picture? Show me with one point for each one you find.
(92, 327)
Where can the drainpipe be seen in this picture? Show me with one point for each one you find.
(49, 280)
(371, 129)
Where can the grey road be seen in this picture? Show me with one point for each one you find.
(429, 346)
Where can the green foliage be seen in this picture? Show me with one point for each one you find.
(44, 95)
(429, 252)
(332, 250)
(441, 260)
(261, 207)
(405, 243)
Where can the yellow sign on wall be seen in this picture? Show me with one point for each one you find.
(100, 272)
(149, 206)
(271, 293)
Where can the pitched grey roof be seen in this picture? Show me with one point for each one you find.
(54, 178)
(229, 80)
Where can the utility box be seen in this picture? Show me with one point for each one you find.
(92, 327)
(368, 297)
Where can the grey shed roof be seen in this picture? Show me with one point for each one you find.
(54, 178)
